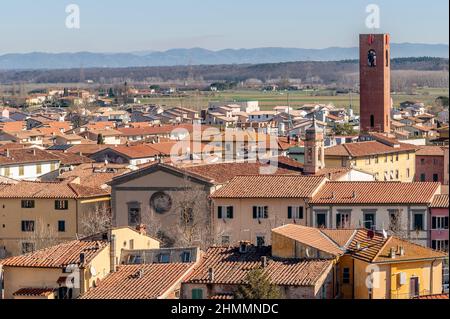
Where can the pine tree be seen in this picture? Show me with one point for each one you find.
(100, 139)
(257, 286)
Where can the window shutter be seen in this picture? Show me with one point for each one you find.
(434, 222)
(255, 212)
(289, 212)
(446, 223)
(300, 209)
(266, 212)
(219, 212)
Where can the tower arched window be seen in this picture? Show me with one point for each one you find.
(372, 58)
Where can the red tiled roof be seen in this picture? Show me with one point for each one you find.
(366, 149)
(270, 186)
(58, 256)
(86, 149)
(375, 193)
(224, 172)
(149, 281)
(136, 151)
(231, 267)
(440, 201)
(26, 155)
(34, 292)
(49, 190)
(430, 151)
(309, 236)
(71, 158)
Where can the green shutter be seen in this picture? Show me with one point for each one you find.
(289, 212)
(266, 212)
(255, 212)
(197, 294)
(301, 212)
(219, 212)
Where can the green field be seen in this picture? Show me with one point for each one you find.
(267, 100)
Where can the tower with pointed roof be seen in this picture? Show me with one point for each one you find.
(314, 149)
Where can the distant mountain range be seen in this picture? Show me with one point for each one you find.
(198, 56)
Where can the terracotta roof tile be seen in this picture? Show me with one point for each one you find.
(26, 155)
(270, 186)
(366, 149)
(231, 267)
(375, 193)
(310, 236)
(430, 151)
(128, 282)
(440, 201)
(34, 292)
(57, 256)
(49, 190)
(71, 158)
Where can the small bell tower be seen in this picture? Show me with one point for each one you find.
(314, 150)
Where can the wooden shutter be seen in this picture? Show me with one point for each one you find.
(219, 212)
(230, 212)
(289, 212)
(255, 212)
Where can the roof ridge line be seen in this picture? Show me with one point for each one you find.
(331, 240)
(382, 248)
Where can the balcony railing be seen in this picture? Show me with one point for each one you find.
(396, 295)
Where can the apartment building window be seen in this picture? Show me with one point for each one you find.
(392, 158)
(186, 257)
(295, 212)
(367, 160)
(386, 159)
(21, 170)
(164, 258)
(321, 219)
(7, 172)
(61, 226)
(441, 245)
(408, 172)
(343, 219)
(435, 178)
(260, 241)
(226, 240)
(27, 247)
(408, 156)
(397, 174)
(62, 204)
(52, 167)
(28, 225)
(346, 275)
(197, 293)
(38, 169)
(439, 222)
(225, 212)
(418, 221)
(376, 159)
(423, 177)
(134, 213)
(27, 203)
(260, 212)
(396, 157)
(369, 220)
(422, 161)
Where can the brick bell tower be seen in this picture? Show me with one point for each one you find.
(375, 82)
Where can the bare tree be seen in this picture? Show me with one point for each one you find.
(40, 236)
(192, 206)
(96, 221)
(396, 226)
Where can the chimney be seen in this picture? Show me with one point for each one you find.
(112, 253)
(402, 251)
(358, 245)
(392, 253)
(210, 274)
(142, 229)
(264, 262)
(7, 152)
(82, 259)
(354, 194)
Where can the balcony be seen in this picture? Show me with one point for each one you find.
(396, 295)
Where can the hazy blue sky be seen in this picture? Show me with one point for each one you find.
(133, 25)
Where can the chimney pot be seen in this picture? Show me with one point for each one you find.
(264, 262)
(210, 274)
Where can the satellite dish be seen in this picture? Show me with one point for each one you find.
(93, 271)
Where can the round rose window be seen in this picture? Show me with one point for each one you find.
(160, 202)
